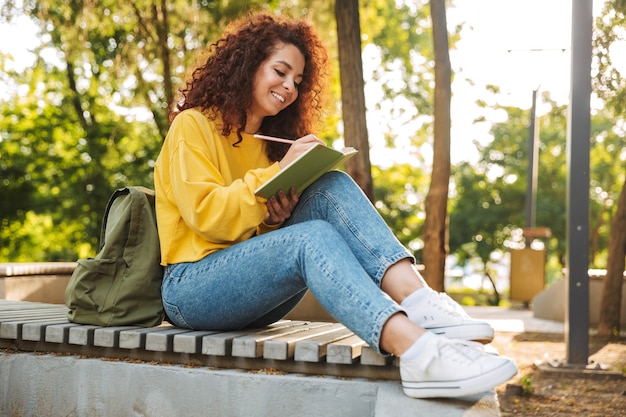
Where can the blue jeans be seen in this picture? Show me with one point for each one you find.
(334, 244)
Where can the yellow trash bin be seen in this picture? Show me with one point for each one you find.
(528, 273)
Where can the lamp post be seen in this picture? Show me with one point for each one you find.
(578, 147)
(533, 166)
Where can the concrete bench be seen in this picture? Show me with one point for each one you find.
(550, 303)
(296, 344)
(35, 281)
(296, 366)
(320, 348)
(48, 364)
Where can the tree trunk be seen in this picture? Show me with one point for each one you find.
(436, 205)
(161, 22)
(609, 323)
(352, 92)
(595, 232)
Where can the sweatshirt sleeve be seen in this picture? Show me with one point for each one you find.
(219, 209)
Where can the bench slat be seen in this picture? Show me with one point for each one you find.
(13, 305)
(163, 340)
(221, 344)
(109, 336)
(82, 335)
(12, 329)
(59, 333)
(37, 331)
(283, 347)
(345, 351)
(14, 315)
(370, 357)
(19, 269)
(136, 338)
(314, 349)
(190, 342)
(251, 346)
(289, 346)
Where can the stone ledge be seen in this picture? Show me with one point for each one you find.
(41, 384)
(292, 346)
(550, 303)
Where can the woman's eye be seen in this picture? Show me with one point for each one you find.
(282, 75)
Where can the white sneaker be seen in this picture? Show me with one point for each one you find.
(485, 348)
(451, 368)
(443, 316)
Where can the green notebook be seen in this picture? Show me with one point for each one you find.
(305, 169)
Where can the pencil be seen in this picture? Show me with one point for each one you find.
(273, 139)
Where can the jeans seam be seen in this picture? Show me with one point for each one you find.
(384, 261)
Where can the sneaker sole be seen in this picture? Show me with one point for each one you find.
(482, 333)
(460, 388)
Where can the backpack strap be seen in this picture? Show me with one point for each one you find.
(116, 194)
(140, 199)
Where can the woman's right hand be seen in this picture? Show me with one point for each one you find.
(299, 147)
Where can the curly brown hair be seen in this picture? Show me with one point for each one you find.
(222, 86)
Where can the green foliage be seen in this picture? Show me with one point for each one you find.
(60, 171)
(608, 129)
(91, 118)
(468, 301)
(488, 203)
(403, 35)
(402, 31)
(399, 193)
(527, 386)
(608, 82)
(607, 177)
(68, 138)
(90, 115)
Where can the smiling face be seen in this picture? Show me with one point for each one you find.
(275, 84)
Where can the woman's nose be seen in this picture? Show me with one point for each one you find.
(288, 84)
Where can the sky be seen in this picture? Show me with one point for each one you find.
(517, 45)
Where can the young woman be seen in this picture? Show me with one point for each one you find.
(233, 260)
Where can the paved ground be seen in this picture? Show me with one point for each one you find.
(546, 386)
(515, 320)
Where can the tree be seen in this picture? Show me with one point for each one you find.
(70, 135)
(611, 86)
(399, 190)
(436, 224)
(402, 33)
(609, 321)
(92, 118)
(353, 92)
(609, 83)
(488, 197)
(606, 179)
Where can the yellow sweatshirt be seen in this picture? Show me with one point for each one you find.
(205, 189)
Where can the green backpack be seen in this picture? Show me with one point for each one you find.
(122, 284)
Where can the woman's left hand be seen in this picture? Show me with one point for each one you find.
(279, 207)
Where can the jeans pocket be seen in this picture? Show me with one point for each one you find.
(174, 315)
(175, 272)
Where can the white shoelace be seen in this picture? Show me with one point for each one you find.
(458, 351)
(448, 305)
(461, 352)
